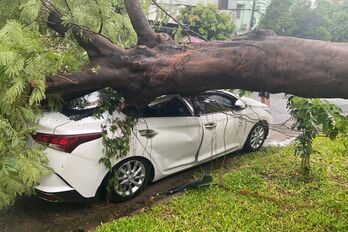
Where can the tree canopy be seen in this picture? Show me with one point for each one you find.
(321, 19)
(207, 21)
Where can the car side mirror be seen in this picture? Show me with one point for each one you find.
(240, 104)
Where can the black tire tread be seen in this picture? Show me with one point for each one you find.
(247, 146)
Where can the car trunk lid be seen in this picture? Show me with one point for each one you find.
(50, 121)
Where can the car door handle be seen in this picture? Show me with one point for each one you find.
(210, 125)
(148, 133)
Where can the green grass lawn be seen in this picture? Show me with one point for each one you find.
(262, 191)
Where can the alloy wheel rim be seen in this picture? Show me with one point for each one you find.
(257, 137)
(131, 176)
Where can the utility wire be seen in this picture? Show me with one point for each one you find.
(185, 28)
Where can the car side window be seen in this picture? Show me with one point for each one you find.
(172, 107)
(214, 103)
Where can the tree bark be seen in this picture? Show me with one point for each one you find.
(259, 62)
(146, 36)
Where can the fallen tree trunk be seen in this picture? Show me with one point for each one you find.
(259, 61)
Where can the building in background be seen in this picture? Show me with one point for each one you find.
(172, 6)
(245, 13)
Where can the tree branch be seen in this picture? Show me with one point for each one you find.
(305, 68)
(67, 5)
(258, 61)
(146, 35)
(274, 64)
(93, 43)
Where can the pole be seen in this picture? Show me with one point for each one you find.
(252, 21)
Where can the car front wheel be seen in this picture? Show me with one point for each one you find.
(129, 179)
(257, 137)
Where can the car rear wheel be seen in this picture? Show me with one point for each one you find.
(256, 137)
(129, 179)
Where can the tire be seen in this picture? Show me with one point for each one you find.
(256, 137)
(132, 176)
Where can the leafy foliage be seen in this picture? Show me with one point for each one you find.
(103, 16)
(314, 116)
(320, 19)
(117, 129)
(21, 57)
(27, 56)
(335, 17)
(208, 21)
(28, 53)
(278, 17)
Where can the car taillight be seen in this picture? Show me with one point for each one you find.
(66, 143)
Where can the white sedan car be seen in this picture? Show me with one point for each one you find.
(169, 137)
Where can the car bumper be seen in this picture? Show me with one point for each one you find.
(52, 184)
(52, 188)
(72, 173)
(68, 196)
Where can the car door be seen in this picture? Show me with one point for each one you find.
(236, 130)
(170, 133)
(219, 126)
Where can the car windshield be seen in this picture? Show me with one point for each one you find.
(167, 106)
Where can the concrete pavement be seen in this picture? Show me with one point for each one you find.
(280, 134)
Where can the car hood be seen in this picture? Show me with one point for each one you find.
(253, 103)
